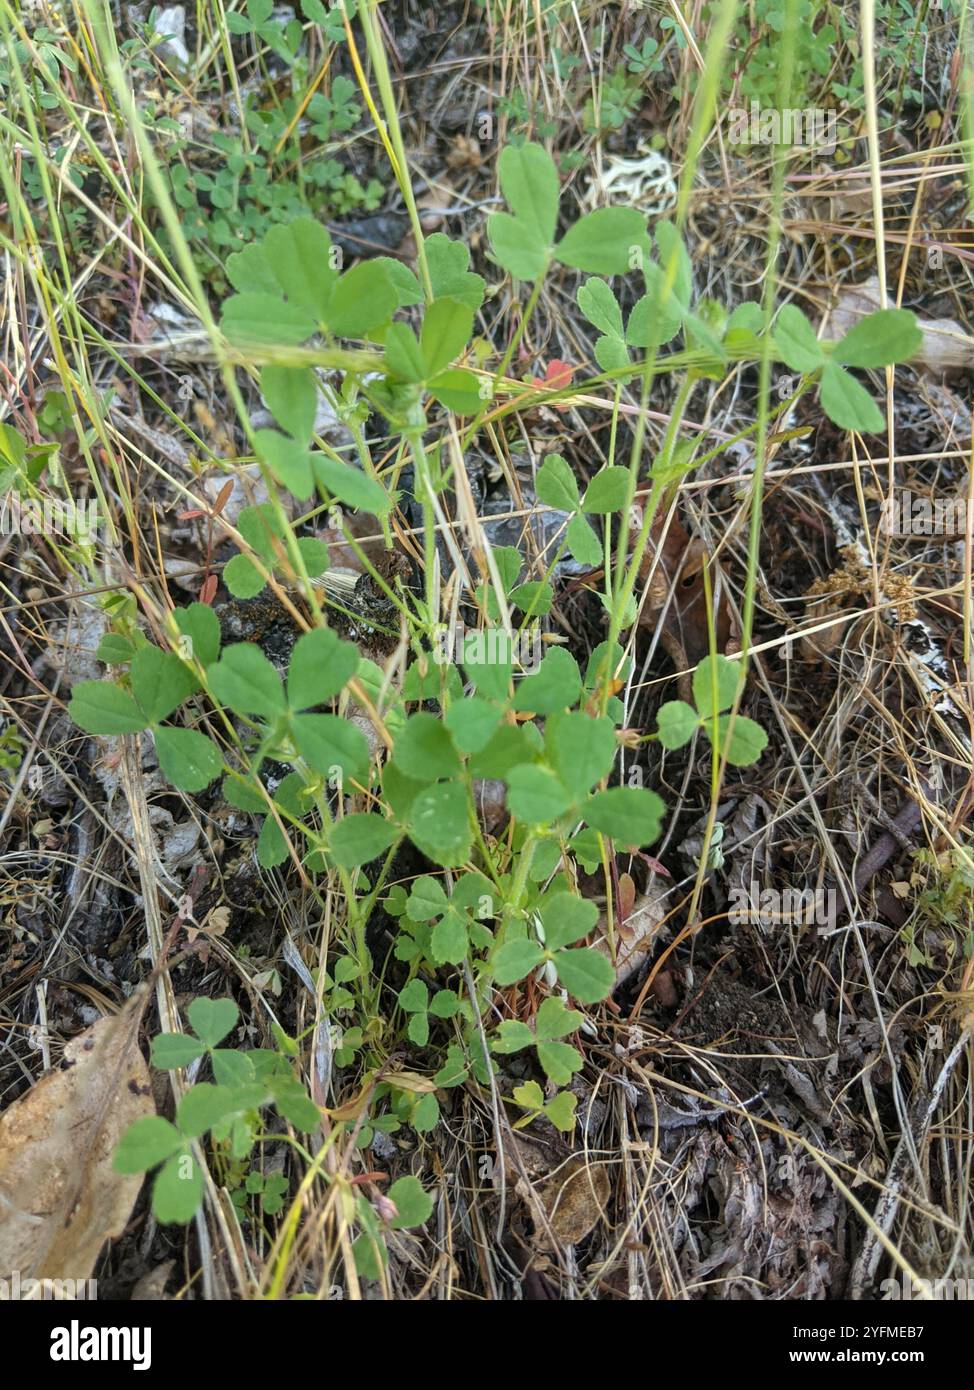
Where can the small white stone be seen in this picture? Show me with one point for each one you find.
(170, 23)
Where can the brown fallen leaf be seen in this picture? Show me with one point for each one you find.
(563, 1195)
(635, 928)
(574, 1200)
(217, 921)
(685, 633)
(60, 1198)
(946, 345)
(673, 570)
(151, 1288)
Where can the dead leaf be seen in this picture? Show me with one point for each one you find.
(563, 1195)
(151, 1288)
(574, 1200)
(216, 923)
(672, 570)
(679, 570)
(558, 377)
(60, 1198)
(634, 930)
(945, 347)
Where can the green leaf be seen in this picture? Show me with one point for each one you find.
(701, 337)
(848, 404)
(362, 299)
(650, 323)
(631, 815)
(586, 974)
(448, 261)
(516, 248)
(559, 1060)
(747, 739)
(212, 1019)
(299, 254)
(327, 742)
(449, 941)
(446, 330)
(426, 899)
(99, 707)
(529, 1095)
(370, 1255)
(289, 461)
(535, 794)
(321, 665)
(512, 1036)
(566, 918)
(555, 484)
(172, 1050)
(272, 847)
(404, 356)
(880, 339)
(292, 397)
(676, 723)
(747, 317)
(204, 1106)
(414, 997)
(244, 795)
(607, 661)
(177, 1190)
(297, 1107)
(404, 282)
(611, 353)
(145, 1143)
(459, 390)
(114, 649)
(399, 791)
(599, 305)
(190, 760)
(350, 485)
(245, 680)
(263, 530)
(232, 1068)
(796, 341)
(535, 596)
(583, 543)
(514, 960)
(489, 667)
(250, 269)
(200, 624)
(560, 1110)
(554, 1020)
(608, 241)
(160, 682)
(439, 823)
(359, 838)
(580, 749)
(446, 1003)
(454, 1071)
(715, 684)
(607, 491)
(413, 1205)
(314, 555)
(472, 722)
(529, 182)
(556, 685)
(673, 259)
(264, 320)
(424, 750)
